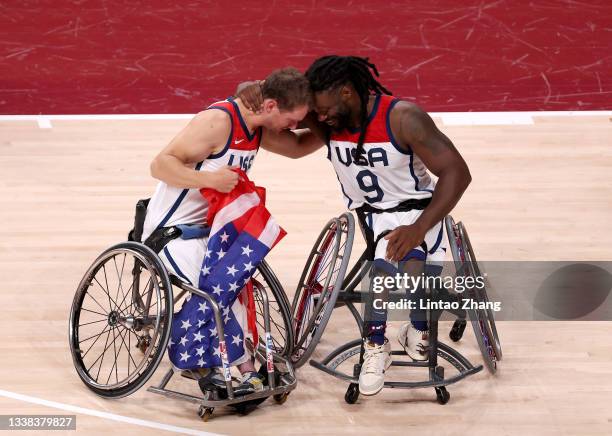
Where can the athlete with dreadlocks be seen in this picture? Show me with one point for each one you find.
(381, 148)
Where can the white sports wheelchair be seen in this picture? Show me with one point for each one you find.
(323, 287)
(120, 327)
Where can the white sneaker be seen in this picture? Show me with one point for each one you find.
(376, 359)
(415, 342)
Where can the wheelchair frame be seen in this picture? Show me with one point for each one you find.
(279, 372)
(264, 354)
(344, 293)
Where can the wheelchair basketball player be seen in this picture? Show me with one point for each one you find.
(382, 149)
(223, 136)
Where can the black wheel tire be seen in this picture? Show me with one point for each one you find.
(352, 393)
(456, 332)
(442, 395)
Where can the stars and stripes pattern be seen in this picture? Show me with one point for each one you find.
(242, 233)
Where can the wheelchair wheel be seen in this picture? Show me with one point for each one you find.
(482, 294)
(319, 285)
(280, 312)
(120, 320)
(482, 320)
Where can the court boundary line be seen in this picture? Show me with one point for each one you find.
(107, 415)
(448, 118)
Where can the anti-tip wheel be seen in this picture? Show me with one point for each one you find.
(442, 395)
(281, 398)
(456, 332)
(352, 393)
(205, 413)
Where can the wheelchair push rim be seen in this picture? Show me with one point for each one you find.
(314, 301)
(482, 320)
(135, 335)
(490, 320)
(302, 303)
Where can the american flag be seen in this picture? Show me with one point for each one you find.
(242, 233)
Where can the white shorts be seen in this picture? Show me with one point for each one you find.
(184, 258)
(433, 248)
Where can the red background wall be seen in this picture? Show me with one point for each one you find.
(176, 57)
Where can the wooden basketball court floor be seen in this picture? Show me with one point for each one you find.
(539, 192)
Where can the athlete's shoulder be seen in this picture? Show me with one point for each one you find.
(405, 112)
(408, 120)
(210, 115)
(406, 108)
(214, 124)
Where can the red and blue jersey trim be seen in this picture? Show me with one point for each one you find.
(239, 138)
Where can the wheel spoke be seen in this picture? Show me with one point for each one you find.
(107, 291)
(124, 310)
(92, 311)
(120, 277)
(280, 329)
(102, 361)
(93, 322)
(104, 351)
(92, 344)
(320, 269)
(93, 336)
(340, 250)
(305, 321)
(140, 295)
(96, 301)
(128, 350)
(109, 297)
(115, 362)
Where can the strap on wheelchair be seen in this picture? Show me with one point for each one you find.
(160, 237)
(404, 206)
(368, 233)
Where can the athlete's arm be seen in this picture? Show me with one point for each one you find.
(309, 137)
(415, 129)
(291, 143)
(206, 133)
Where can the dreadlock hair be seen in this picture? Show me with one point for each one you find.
(330, 72)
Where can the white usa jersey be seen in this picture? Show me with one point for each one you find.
(385, 175)
(170, 205)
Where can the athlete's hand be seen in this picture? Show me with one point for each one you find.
(224, 179)
(251, 95)
(403, 239)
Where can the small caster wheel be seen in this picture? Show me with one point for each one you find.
(281, 398)
(442, 395)
(205, 412)
(456, 332)
(352, 393)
